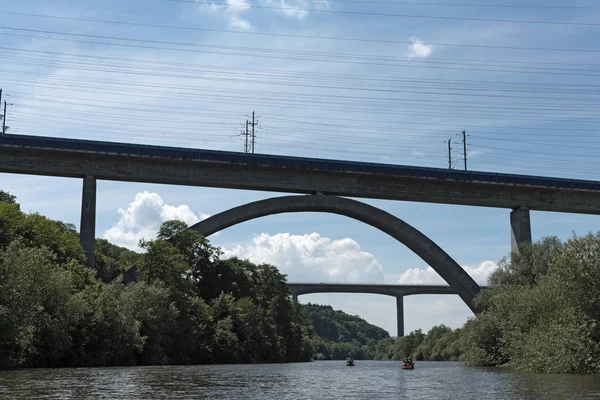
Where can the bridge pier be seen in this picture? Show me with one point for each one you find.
(87, 231)
(400, 315)
(295, 297)
(520, 228)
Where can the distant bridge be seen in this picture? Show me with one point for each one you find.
(388, 289)
(397, 290)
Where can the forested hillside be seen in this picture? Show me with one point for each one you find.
(343, 335)
(188, 306)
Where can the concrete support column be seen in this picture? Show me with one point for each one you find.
(87, 234)
(295, 297)
(400, 315)
(520, 228)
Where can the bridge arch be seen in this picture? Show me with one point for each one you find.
(420, 244)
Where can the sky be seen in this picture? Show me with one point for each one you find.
(378, 81)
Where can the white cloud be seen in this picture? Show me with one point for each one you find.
(238, 4)
(235, 8)
(312, 257)
(418, 49)
(322, 4)
(235, 21)
(232, 11)
(479, 273)
(143, 218)
(290, 8)
(230, 5)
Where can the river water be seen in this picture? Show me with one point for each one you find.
(317, 380)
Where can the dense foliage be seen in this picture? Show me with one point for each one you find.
(342, 335)
(542, 310)
(542, 314)
(189, 306)
(441, 343)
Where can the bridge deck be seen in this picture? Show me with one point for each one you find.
(386, 289)
(350, 284)
(265, 160)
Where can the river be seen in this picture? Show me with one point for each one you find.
(317, 380)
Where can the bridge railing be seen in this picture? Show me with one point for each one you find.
(266, 160)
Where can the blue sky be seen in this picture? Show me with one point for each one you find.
(382, 88)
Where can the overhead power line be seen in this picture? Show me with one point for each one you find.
(277, 34)
(406, 87)
(533, 64)
(584, 104)
(337, 58)
(312, 102)
(378, 14)
(469, 5)
(496, 135)
(27, 57)
(301, 141)
(347, 133)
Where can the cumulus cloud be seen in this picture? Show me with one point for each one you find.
(479, 273)
(418, 49)
(312, 257)
(143, 217)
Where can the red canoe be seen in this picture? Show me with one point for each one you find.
(412, 366)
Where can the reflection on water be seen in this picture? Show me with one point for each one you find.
(317, 380)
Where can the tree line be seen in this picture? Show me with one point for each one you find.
(441, 343)
(189, 306)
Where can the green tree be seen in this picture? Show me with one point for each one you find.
(163, 263)
(6, 197)
(542, 311)
(113, 260)
(12, 223)
(157, 314)
(36, 311)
